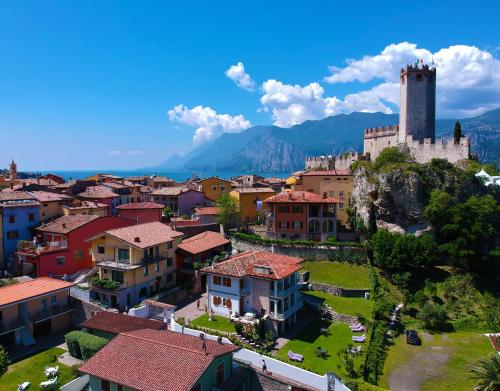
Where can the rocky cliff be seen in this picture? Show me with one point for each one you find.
(401, 193)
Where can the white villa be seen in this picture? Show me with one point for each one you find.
(256, 283)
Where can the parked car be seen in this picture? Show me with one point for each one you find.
(412, 337)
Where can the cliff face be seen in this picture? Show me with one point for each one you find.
(400, 195)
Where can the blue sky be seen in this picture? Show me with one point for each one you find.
(88, 85)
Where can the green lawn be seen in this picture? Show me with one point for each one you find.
(344, 275)
(463, 350)
(338, 338)
(219, 323)
(32, 369)
(346, 305)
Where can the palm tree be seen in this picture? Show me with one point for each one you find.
(487, 373)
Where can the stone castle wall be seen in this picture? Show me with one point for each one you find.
(441, 149)
(339, 162)
(376, 139)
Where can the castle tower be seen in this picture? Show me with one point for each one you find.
(13, 170)
(417, 108)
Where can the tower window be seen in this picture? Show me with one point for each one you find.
(419, 77)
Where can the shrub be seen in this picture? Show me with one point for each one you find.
(238, 327)
(104, 284)
(83, 345)
(72, 342)
(433, 316)
(4, 360)
(390, 155)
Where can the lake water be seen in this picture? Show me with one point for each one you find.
(176, 175)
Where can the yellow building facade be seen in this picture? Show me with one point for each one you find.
(214, 187)
(250, 202)
(332, 183)
(136, 272)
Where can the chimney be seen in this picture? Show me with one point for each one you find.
(137, 239)
(11, 185)
(64, 225)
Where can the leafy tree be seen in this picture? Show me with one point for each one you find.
(348, 359)
(381, 245)
(167, 211)
(487, 373)
(457, 132)
(227, 211)
(372, 221)
(390, 155)
(4, 360)
(433, 316)
(438, 210)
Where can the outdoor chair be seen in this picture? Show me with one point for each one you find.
(356, 350)
(51, 371)
(321, 352)
(24, 386)
(358, 328)
(295, 356)
(48, 383)
(361, 338)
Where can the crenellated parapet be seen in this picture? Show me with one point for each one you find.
(383, 131)
(424, 151)
(331, 162)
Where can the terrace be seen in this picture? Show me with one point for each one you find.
(51, 312)
(15, 324)
(30, 248)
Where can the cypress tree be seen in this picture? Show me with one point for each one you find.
(457, 132)
(372, 221)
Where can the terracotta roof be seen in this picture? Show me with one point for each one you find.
(97, 192)
(152, 360)
(112, 322)
(261, 264)
(203, 242)
(114, 185)
(145, 235)
(11, 195)
(47, 196)
(160, 179)
(146, 189)
(206, 211)
(170, 191)
(86, 205)
(66, 224)
(14, 293)
(214, 177)
(180, 222)
(254, 190)
(141, 205)
(301, 197)
(327, 172)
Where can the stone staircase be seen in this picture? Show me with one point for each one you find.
(329, 313)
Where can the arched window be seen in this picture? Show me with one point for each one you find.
(314, 226)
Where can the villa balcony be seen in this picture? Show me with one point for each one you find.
(15, 324)
(53, 311)
(282, 294)
(28, 248)
(105, 286)
(280, 316)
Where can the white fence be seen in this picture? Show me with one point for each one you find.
(281, 368)
(76, 385)
(140, 312)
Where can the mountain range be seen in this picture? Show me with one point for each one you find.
(275, 149)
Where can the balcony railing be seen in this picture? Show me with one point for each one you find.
(29, 248)
(50, 312)
(282, 294)
(285, 314)
(106, 285)
(17, 323)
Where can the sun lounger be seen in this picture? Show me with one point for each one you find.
(356, 350)
(361, 338)
(48, 383)
(358, 328)
(24, 386)
(295, 356)
(51, 371)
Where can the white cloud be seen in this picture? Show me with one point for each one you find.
(134, 152)
(468, 78)
(242, 79)
(114, 152)
(208, 123)
(294, 104)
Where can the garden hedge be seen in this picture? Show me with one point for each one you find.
(84, 345)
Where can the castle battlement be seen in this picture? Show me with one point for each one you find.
(389, 130)
(425, 151)
(331, 162)
(416, 68)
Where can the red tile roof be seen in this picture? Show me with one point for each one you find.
(203, 242)
(66, 224)
(326, 172)
(141, 205)
(151, 360)
(145, 235)
(11, 195)
(14, 293)
(260, 264)
(301, 197)
(112, 322)
(86, 205)
(180, 222)
(47, 196)
(206, 211)
(170, 191)
(93, 192)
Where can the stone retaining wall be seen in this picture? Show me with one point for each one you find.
(300, 252)
(338, 291)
